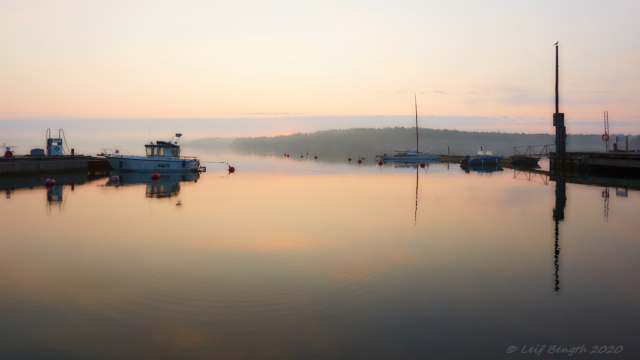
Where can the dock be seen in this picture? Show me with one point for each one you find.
(43, 165)
(612, 161)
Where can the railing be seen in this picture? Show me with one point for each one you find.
(531, 151)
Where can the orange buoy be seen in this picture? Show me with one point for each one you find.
(232, 169)
(155, 176)
(359, 161)
(380, 162)
(422, 165)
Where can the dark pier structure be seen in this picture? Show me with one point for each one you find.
(563, 162)
(45, 165)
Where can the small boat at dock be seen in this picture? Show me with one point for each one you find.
(410, 155)
(480, 160)
(162, 156)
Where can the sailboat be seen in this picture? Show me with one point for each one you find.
(410, 155)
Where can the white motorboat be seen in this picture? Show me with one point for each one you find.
(162, 156)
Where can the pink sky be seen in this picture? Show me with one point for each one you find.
(284, 59)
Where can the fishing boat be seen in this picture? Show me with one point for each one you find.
(162, 156)
(410, 155)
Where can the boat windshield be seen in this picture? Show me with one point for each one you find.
(151, 151)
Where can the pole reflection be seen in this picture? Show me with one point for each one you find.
(558, 216)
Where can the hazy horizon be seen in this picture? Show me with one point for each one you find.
(90, 135)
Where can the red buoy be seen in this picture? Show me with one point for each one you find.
(307, 153)
(115, 179)
(422, 165)
(315, 157)
(8, 154)
(301, 156)
(349, 159)
(380, 163)
(287, 155)
(232, 169)
(155, 176)
(359, 161)
(50, 183)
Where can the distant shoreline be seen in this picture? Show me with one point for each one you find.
(378, 141)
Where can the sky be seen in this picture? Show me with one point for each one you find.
(486, 66)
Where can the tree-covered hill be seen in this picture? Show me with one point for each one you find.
(369, 142)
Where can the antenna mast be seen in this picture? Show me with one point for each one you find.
(606, 130)
(558, 121)
(557, 105)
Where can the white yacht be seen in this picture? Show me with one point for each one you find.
(162, 156)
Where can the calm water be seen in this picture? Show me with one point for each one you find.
(290, 258)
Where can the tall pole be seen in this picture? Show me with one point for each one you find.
(557, 106)
(416, 101)
(558, 120)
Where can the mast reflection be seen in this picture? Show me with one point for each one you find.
(415, 217)
(558, 216)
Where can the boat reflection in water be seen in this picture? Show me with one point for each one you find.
(167, 186)
(481, 168)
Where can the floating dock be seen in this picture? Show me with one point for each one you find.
(612, 161)
(33, 165)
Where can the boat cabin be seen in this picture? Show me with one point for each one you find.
(162, 149)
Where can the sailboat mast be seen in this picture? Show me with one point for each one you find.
(416, 101)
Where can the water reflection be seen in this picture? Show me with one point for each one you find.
(558, 216)
(481, 168)
(316, 265)
(54, 195)
(415, 217)
(167, 186)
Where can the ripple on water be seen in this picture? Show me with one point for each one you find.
(184, 290)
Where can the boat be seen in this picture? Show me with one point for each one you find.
(482, 159)
(410, 155)
(162, 156)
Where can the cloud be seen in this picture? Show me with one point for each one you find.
(439, 92)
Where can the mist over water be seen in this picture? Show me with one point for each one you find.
(297, 258)
(327, 134)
